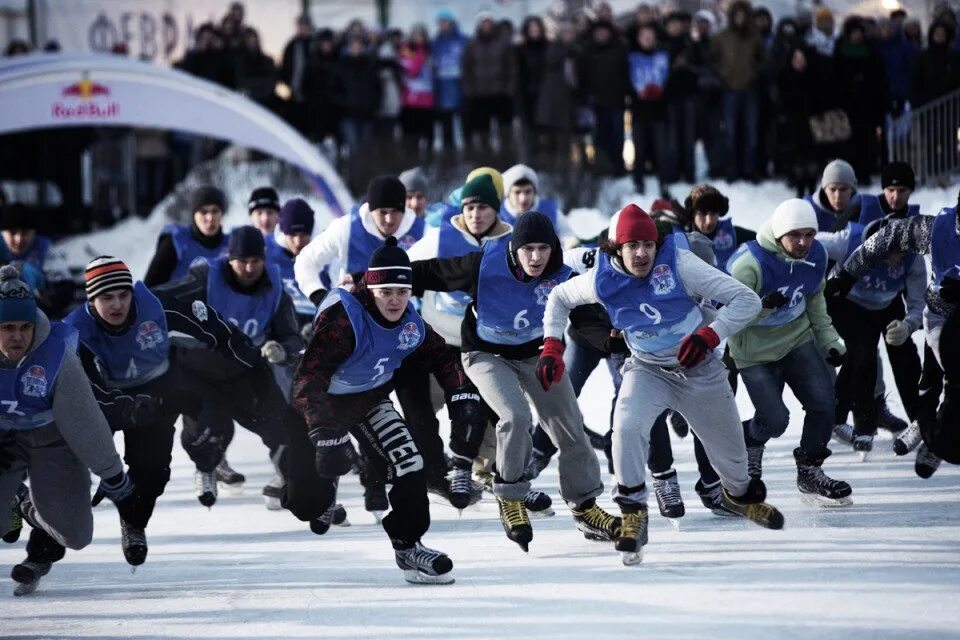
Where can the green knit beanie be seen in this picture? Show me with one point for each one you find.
(480, 190)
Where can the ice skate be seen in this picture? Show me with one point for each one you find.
(751, 506)
(27, 575)
(712, 498)
(595, 523)
(863, 444)
(423, 565)
(843, 433)
(633, 535)
(335, 515)
(669, 499)
(15, 526)
(273, 493)
(908, 440)
(597, 441)
(230, 480)
(205, 485)
(133, 541)
(927, 462)
(538, 462)
(462, 492)
(516, 522)
(886, 420)
(538, 504)
(816, 487)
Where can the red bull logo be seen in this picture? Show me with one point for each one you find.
(149, 335)
(85, 100)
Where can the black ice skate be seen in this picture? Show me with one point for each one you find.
(423, 565)
(133, 541)
(231, 481)
(516, 522)
(595, 523)
(754, 453)
(886, 420)
(843, 433)
(538, 504)
(273, 493)
(927, 462)
(712, 498)
(42, 552)
(862, 443)
(335, 515)
(205, 485)
(908, 440)
(751, 506)
(463, 492)
(633, 535)
(816, 487)
(15, 525)
(669, 500)
(375, 500)
(27, 575)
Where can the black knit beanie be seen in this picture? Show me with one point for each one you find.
(246, 242)
(17, 216)
(897, 174)
(386, 192)
(389, 267)
(207, 195)
(263, 198)
(531, 227)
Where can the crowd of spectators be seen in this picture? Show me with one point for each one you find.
(765, 98)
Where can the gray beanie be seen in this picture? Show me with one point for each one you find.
(414, 180)
(839, 172)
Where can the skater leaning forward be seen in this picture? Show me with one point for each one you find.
(502, 333)
(650, 286)
(342, 387)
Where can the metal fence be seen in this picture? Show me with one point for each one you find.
(928, 137)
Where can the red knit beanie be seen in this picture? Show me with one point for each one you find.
(635, 225)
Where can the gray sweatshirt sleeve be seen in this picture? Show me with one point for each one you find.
(915, 293)
(564, 297)
(835, 242)
(80, 421)
(740, 304)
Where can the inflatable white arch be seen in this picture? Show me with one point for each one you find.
(43, 91)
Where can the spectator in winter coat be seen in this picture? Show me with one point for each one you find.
(937, 70)
(649, 70)
(531, 58)
(604, 79)
(821, 37)
(899, 58)
(256, 73)
(293, 71)
(555, 97)
(797, 91)
(737, 56)
(448, 47)
(681, 99)
(206, 60)
(709, 99)
(416, 98)
(489, 81)
(859, 86)
(356, 85)
(323, 117)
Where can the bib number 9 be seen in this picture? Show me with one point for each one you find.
(651, 312)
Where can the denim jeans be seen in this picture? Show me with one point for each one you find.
(740, 117)
(809, 378)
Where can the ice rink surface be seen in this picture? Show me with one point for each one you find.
(887, 567)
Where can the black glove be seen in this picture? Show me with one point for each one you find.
(317, 296)
(835, 358)
(463, 407)
(334, 452)
(7, 444)
(839, 285)
(950, 290)
(122, 492)
(774, 300)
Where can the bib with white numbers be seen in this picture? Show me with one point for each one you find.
(795, 279)
(250, 313)
(26, 393)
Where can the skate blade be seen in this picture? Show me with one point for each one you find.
(273, 504)
(816, 500)
(342, 523)
(543, 513)
(631, 558)
(230, 489)
(675, 522)
(377, 516)
(415, 577)
(25, 588)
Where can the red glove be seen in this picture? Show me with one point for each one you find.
(550, 366)
(693, 348)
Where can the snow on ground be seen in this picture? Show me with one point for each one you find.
(888, 567)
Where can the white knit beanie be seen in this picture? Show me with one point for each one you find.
(791, 215)
(519, 172)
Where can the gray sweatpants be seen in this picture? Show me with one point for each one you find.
(506, 385)
(703, 396)
(59, 485)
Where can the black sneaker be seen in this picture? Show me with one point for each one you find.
(423, 565)
(133, 541)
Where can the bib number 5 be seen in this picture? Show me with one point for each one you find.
(378, 369)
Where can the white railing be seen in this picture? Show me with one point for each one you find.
(928, 137)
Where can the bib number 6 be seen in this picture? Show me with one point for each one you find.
(520, 322)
